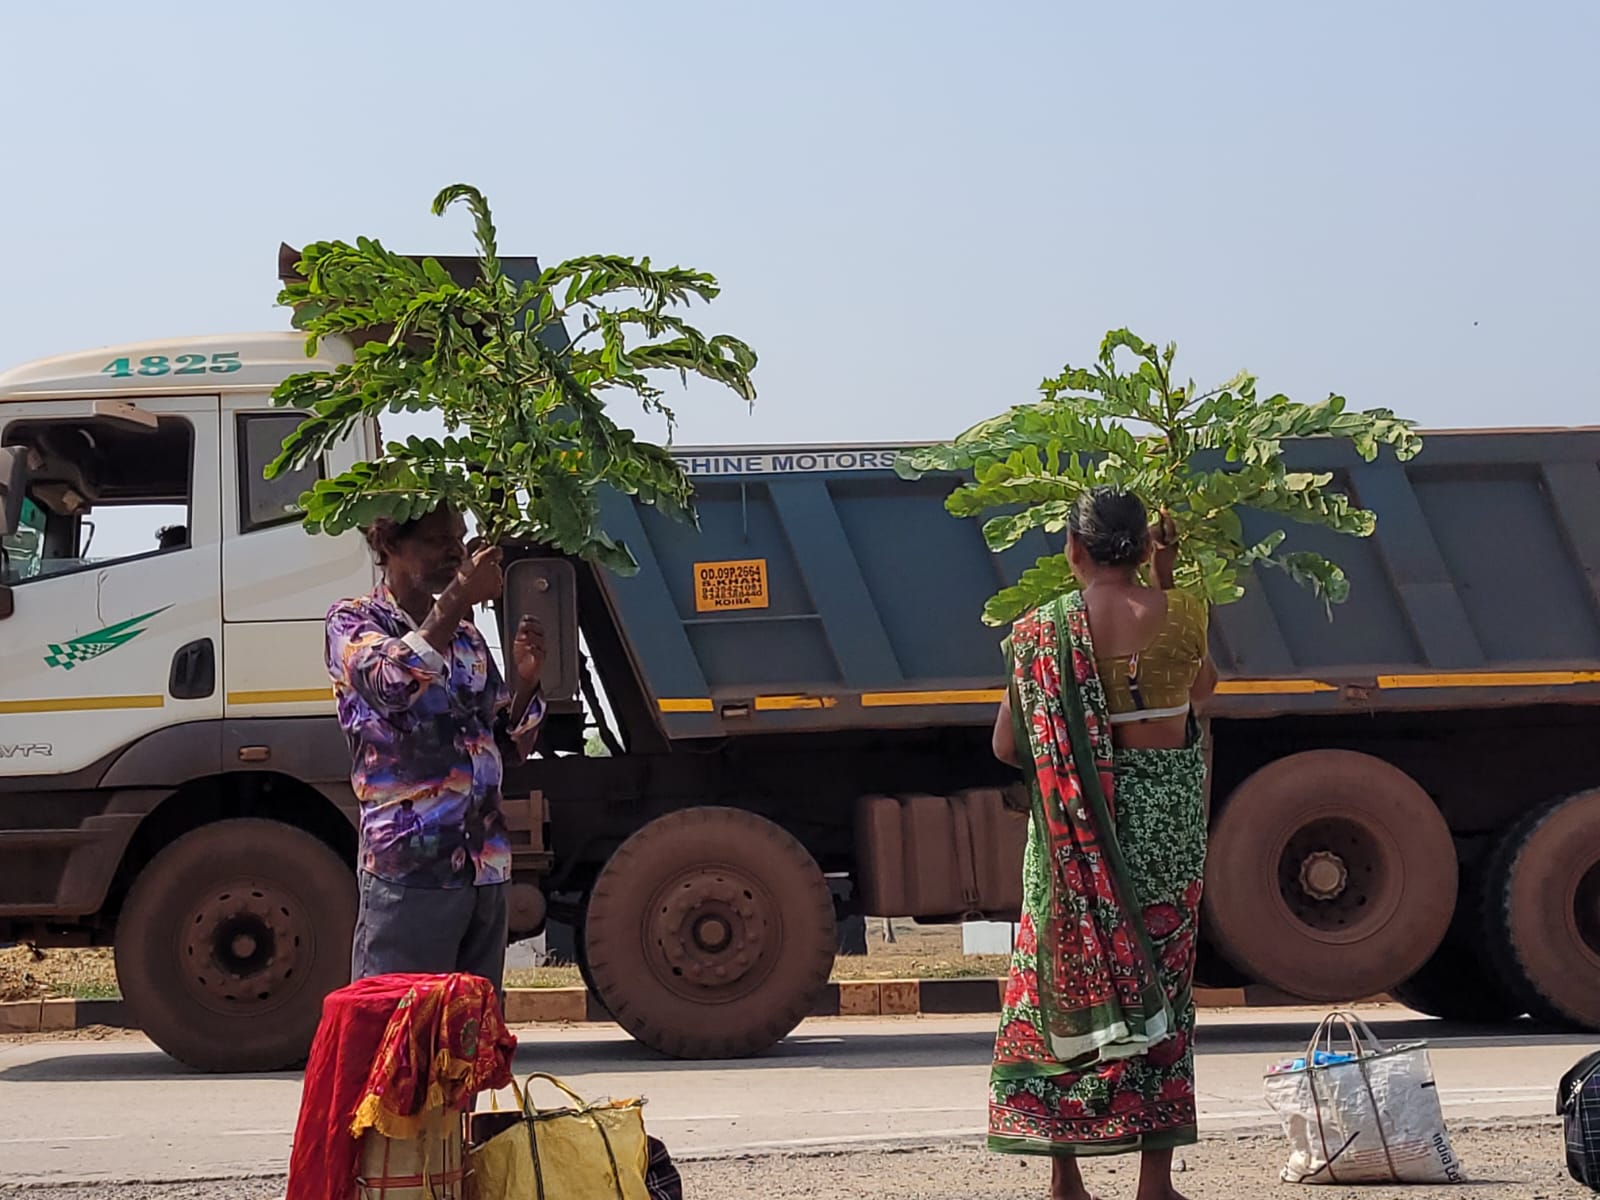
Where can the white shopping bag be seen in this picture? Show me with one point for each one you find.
(1367, 1116)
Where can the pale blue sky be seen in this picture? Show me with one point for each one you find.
(916, 210)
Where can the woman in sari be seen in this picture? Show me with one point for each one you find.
(1094, 1054)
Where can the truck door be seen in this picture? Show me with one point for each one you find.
(277, 582)
(116, 625)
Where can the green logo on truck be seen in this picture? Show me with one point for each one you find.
(81, 649)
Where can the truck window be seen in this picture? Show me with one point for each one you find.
(103, 491)
(264, 502)
(21, 552)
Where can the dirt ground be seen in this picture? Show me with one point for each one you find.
(1509, 1163)
(918, 952)
(27, 974)
(1506, 1164)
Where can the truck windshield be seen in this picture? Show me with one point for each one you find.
(102, 492)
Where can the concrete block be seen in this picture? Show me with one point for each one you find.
(860, 999)
(988, 937)
(900, 997)
(58, 1015)
(951, 997)
(538, 1006)
(111, 1013)
(20, 1016)
(1219, 998)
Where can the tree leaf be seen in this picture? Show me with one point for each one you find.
(1138, 429)
(529, 440)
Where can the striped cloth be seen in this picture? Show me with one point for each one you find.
(661, 1178)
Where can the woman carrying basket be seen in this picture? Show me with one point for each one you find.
(1094, 1053)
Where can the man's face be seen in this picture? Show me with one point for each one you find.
(431, 552)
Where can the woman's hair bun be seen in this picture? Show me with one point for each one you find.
(1112, 525)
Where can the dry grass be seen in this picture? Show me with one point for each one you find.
(545, 977)
(918, 952)
(27, 974)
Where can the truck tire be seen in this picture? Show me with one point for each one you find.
(710, 934)
(1330, 875)
(580, 956)
(1542, 909)
(230, 939)
(1460, 982)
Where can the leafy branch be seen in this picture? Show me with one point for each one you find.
(529, 442)
(1139, 430)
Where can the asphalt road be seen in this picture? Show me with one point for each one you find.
(119, 1110)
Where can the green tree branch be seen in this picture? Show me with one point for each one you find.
(529, 443)
(1140, 431)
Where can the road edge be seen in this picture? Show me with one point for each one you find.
(573, 1006)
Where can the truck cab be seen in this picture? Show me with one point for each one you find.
(161, 673)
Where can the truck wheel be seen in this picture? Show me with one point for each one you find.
(1460, 982)
(1542, 905)
(710, 934)
(230, 939)
(1331, 875)
(580, 956)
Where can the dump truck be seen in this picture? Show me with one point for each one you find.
(796, 701)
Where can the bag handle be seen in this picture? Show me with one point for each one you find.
(1362, 1040)
(584, 1110)
(524, 1095)
(1365, 1043)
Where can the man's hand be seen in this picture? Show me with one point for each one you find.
(480, 579)
(477, 581)
(527, 652)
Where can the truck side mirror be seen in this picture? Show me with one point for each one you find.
(13, 485)
(546, 588)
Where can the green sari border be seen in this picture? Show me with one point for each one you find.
(1166, 1139)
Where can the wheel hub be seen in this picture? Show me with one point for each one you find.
(243, 944)
(1336, 876)
(1323, 875)
(711, 930)
(712, 933)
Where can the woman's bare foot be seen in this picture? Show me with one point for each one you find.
(1066, 1182)
(1155, 1177)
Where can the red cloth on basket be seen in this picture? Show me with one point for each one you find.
(366, 1050)
(445, 1043)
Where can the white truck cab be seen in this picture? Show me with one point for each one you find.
(162, 687)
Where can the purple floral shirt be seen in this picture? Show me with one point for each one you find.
(422, 736)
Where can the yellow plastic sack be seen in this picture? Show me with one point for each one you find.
(583, 1152)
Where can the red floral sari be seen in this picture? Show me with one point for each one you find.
(1094, 1053)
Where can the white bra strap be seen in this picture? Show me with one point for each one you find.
(1149, 714)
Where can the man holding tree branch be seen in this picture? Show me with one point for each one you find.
(421, 700)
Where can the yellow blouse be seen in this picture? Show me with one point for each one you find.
(1157, 679)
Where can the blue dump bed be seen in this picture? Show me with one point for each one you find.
(822, 592)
